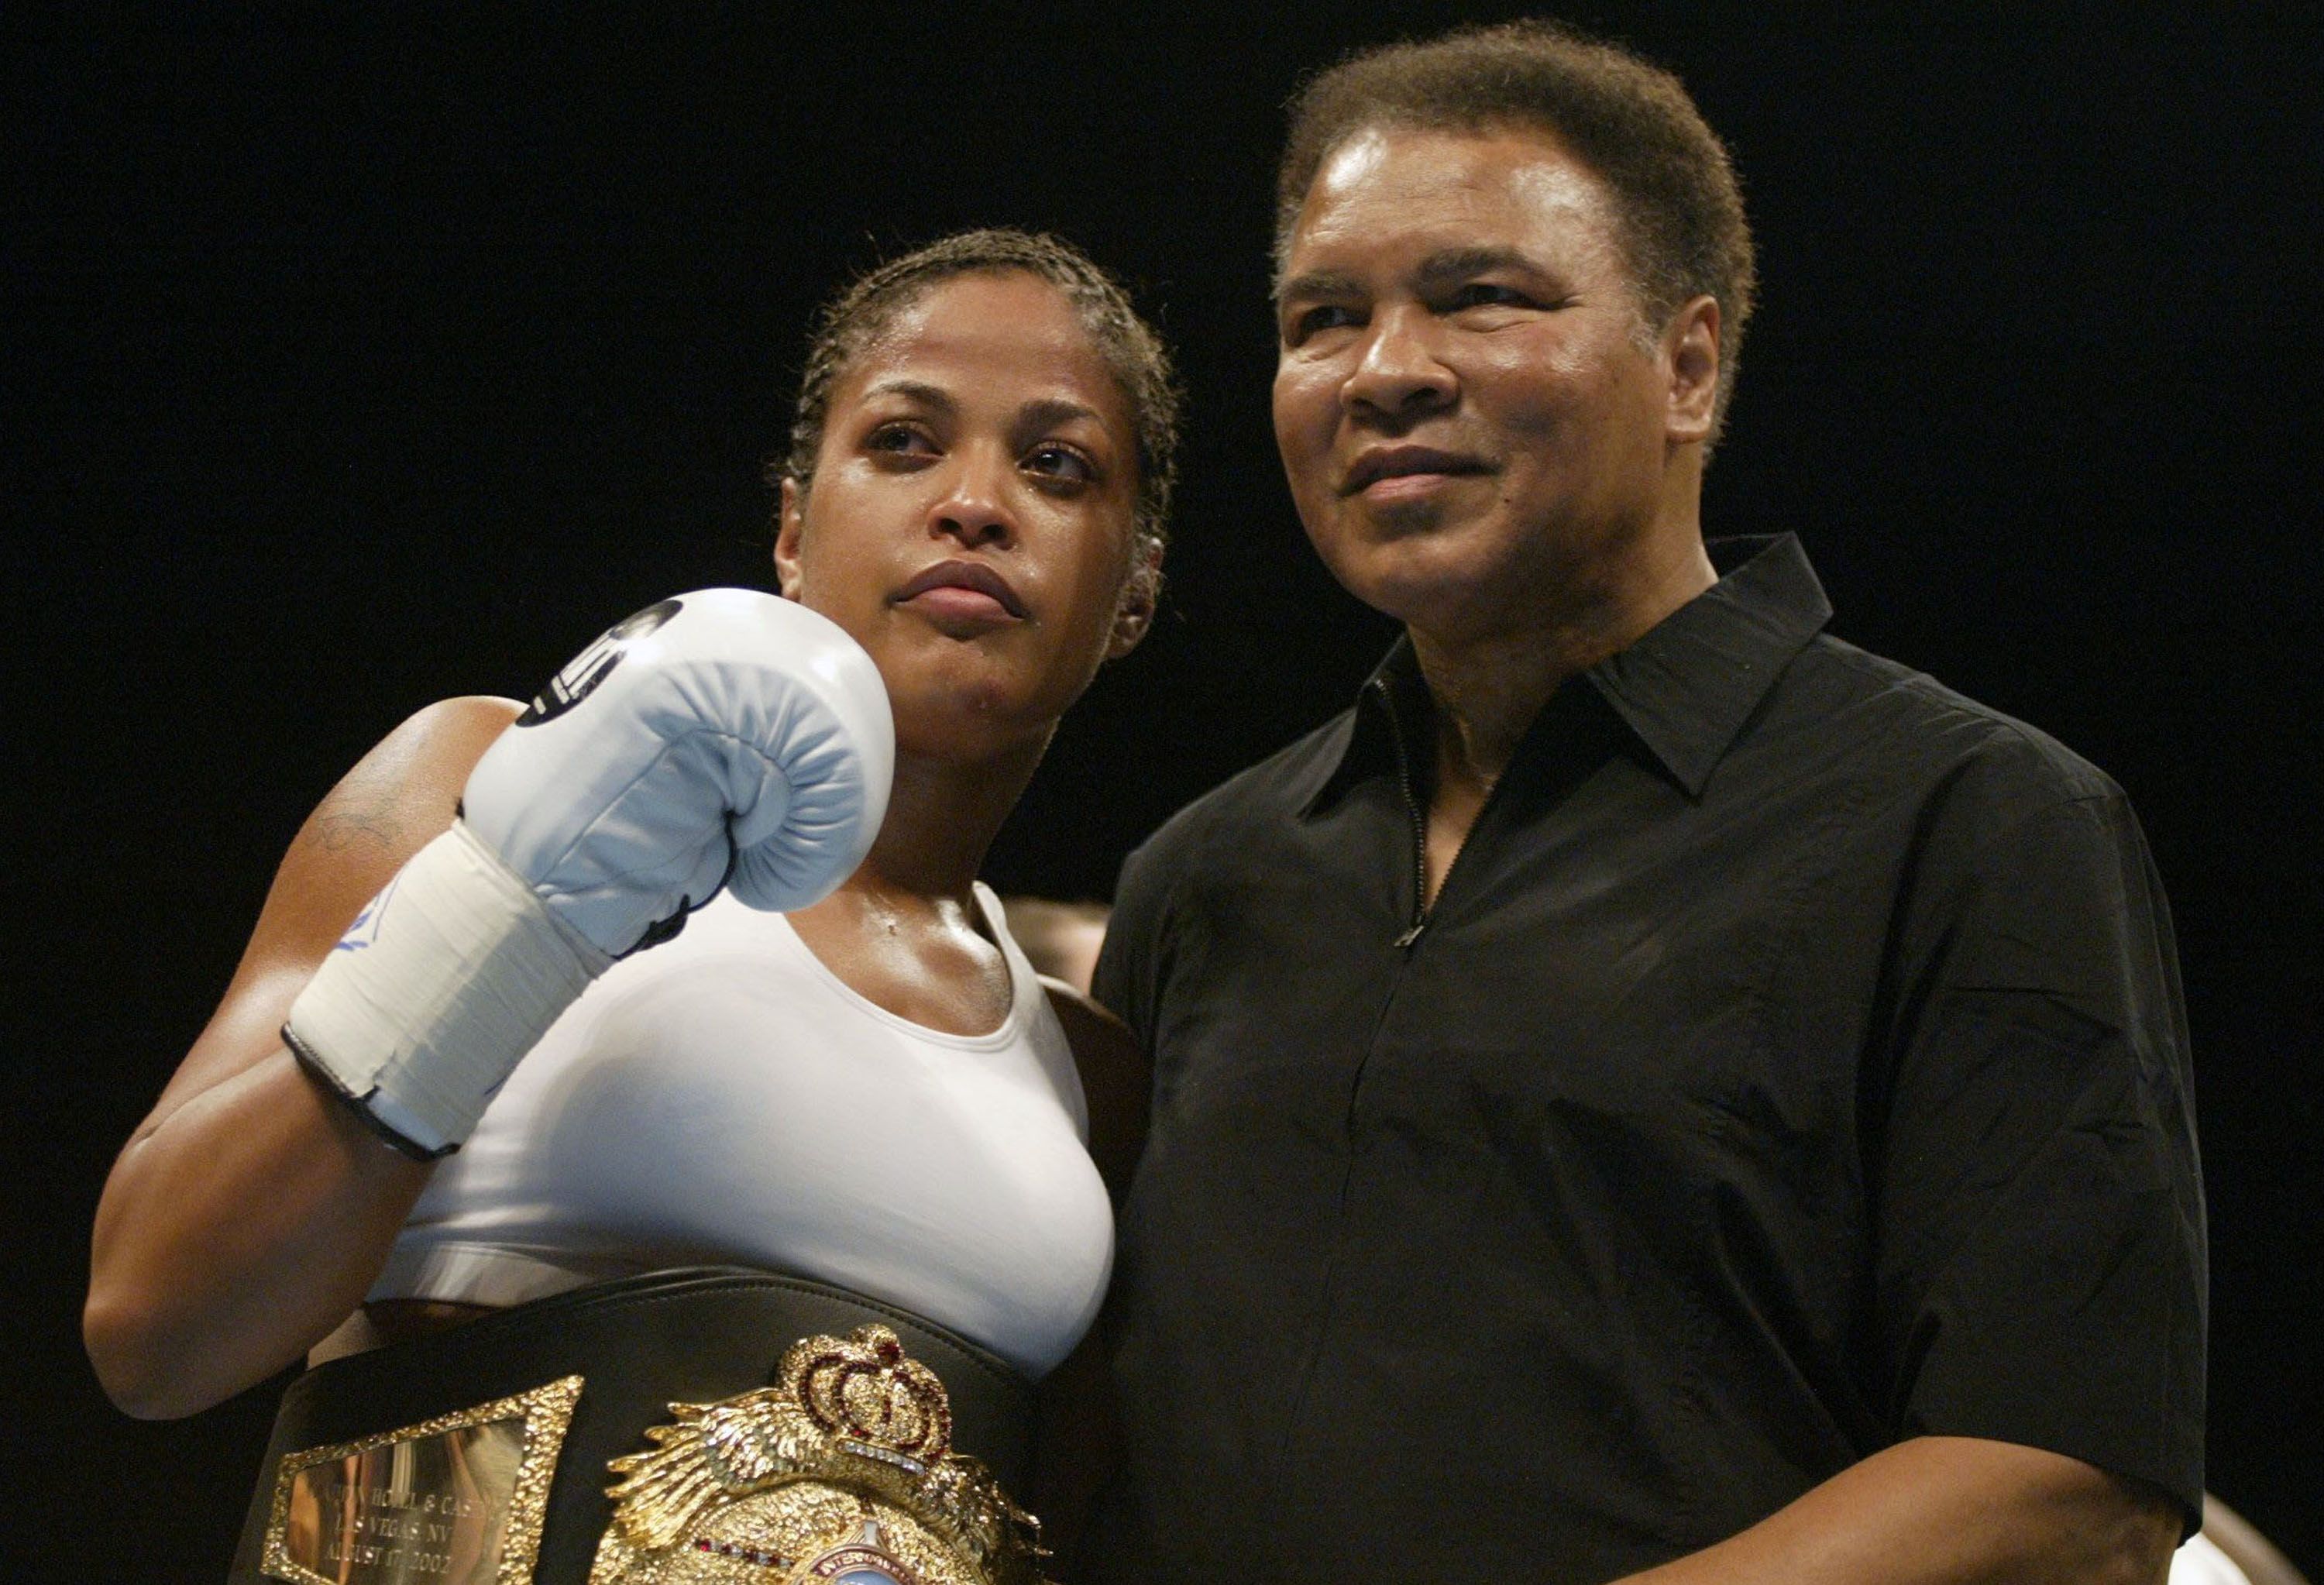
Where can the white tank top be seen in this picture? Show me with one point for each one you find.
(725, 1098)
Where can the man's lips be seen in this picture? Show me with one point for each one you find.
(970, 586)
(1405, 462)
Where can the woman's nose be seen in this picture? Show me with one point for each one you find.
(975, 508)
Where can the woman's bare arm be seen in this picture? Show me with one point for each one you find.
(250, 1210)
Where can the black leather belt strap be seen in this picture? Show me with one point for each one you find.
(643, 1343)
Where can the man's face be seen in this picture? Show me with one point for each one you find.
(1474, 424)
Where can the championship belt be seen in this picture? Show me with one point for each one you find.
(708, 1425)
(843, 1470)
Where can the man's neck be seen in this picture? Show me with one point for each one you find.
(1488, 687)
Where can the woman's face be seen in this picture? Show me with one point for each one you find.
(972, 518)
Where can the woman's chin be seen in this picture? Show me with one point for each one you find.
(971, 725)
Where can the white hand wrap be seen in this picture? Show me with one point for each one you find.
(445, 980)
(725, 732)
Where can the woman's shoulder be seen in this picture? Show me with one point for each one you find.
(1114, 1081)
(425, 758)
(447, 737)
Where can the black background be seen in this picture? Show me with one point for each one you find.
(353, 358)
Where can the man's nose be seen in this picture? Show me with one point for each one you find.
(1401, 375)
(974, 506)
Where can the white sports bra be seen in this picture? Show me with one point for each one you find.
(725, 1098)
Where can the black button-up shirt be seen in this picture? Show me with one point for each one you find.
(1792, 1063)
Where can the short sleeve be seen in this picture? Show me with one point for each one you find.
(2039, 1212)
(1124, 979)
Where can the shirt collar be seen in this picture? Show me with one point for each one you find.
(1684, 690)
(1687, 687)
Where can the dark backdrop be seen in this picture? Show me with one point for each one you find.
(353, 361)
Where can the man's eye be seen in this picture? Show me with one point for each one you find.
(1306, 322)
(1480, 294)
(1060, 462)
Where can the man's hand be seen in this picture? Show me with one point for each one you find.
(1950, 1510)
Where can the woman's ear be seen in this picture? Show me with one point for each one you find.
(1133, 613)
(789, 517)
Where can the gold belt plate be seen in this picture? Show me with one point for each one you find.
(454, 1500)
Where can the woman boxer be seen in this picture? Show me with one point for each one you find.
(868, 1094)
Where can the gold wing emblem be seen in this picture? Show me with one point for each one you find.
(713, 1452)
(846, 1415)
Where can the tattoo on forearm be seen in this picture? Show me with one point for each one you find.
(367, 818)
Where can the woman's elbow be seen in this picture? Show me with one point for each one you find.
(133, 1363)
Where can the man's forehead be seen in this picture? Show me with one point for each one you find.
(1533, 161)
(1356, 158)
(1446, 201)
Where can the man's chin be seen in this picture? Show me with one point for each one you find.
(1440, 600)
(1425, 551)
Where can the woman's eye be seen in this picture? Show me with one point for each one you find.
(1060, 462)
(900, 438)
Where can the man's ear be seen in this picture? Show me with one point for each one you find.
(1133, 613)
(1690, 346)
(788, 520)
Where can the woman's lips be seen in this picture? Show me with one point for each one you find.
(964, 591)
(951, 599)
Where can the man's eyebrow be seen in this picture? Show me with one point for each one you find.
(1317, 283)
(1438, 269)
(1452, 264)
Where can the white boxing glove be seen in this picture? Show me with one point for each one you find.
(723, 727)
(723, 737)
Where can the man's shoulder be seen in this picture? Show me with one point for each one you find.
(1275, 788)
(1890, 721)
(1219, 834)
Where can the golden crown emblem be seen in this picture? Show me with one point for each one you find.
(843, 1467)
(865, 1389)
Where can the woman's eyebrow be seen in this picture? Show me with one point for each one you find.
(1049, 412)
(918, 391)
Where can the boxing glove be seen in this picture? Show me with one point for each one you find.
(723, 737)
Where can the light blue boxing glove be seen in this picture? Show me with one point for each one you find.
(723, 737)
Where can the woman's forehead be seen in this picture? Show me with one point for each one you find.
(1010, 335)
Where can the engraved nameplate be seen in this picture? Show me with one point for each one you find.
(455, 1500)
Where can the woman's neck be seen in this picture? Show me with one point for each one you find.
(905, 931)
(942, 819)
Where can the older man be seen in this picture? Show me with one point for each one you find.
(1652, 1087)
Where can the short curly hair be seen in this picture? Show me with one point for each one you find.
(1631, 121)
(1133, 352)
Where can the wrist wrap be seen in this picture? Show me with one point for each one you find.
(442, 984)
